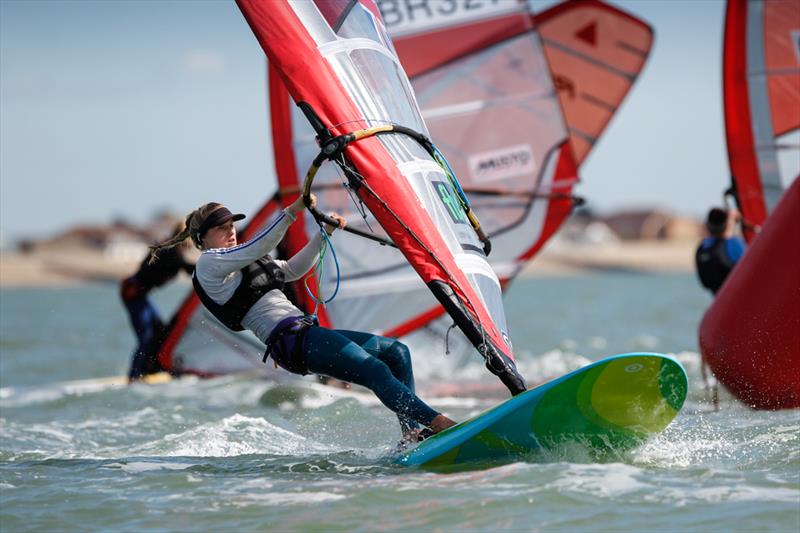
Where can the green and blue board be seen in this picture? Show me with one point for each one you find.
(611, 405)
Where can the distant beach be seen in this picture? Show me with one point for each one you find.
(63, 268)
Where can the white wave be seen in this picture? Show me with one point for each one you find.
(550, 365)
(148, 466)
(613, 479)
(233, 436)
(284, 498)
(724, 493)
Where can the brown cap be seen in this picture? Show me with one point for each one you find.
(217, 217)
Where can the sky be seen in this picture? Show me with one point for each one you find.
(119, 110)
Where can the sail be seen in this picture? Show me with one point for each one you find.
(596, 53)
(761, 89)
(339, 65)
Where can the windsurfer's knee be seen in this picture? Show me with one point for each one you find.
(400, 354)
(376, 373)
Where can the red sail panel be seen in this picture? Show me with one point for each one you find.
(738, 123)
(432, 49)
(782, 54)
(750, 336)
(497, 101)
(595, 52)
(761, 77)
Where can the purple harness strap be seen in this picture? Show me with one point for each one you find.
(285, 343)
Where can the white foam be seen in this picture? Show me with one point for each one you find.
(605, 480)
(147, 466)
(233, 436)
(692, 495)
(284, 498)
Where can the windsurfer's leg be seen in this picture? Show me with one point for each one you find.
(391, 351)
(144, 320)
(395, 355)
(332, 354)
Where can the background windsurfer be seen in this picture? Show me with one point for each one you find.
(155, 271)
(242, 286)
(718, 253)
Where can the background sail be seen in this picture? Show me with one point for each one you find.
(595, 52)
(761, 76)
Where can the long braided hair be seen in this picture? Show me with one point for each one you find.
(191, 229)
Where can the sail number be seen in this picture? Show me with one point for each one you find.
(450, 201)
(416, 14)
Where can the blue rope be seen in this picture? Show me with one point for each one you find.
(319, 271)
(452, 176)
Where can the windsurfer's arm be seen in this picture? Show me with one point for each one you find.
(300, 263)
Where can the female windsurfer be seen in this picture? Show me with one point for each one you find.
(242, 286)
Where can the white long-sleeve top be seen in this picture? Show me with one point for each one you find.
(219, 272)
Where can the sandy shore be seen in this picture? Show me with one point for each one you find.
(53, 269)
(43, 269)
(640, 256)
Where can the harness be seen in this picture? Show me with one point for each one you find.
(285, 343)
(258, 278)
(713, 265)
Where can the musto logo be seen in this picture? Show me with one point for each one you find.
(503, 163)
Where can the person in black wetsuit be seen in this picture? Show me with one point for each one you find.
(145, 320)
(720, 251)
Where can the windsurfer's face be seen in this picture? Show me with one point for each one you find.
(222, 236)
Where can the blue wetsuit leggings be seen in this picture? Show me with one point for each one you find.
(147, 325)
(381, 364)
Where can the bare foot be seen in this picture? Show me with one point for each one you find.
(440, 423)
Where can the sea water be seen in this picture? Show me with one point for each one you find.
(221, 455)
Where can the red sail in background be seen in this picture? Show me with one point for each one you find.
(595, 52)
(761, 81)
